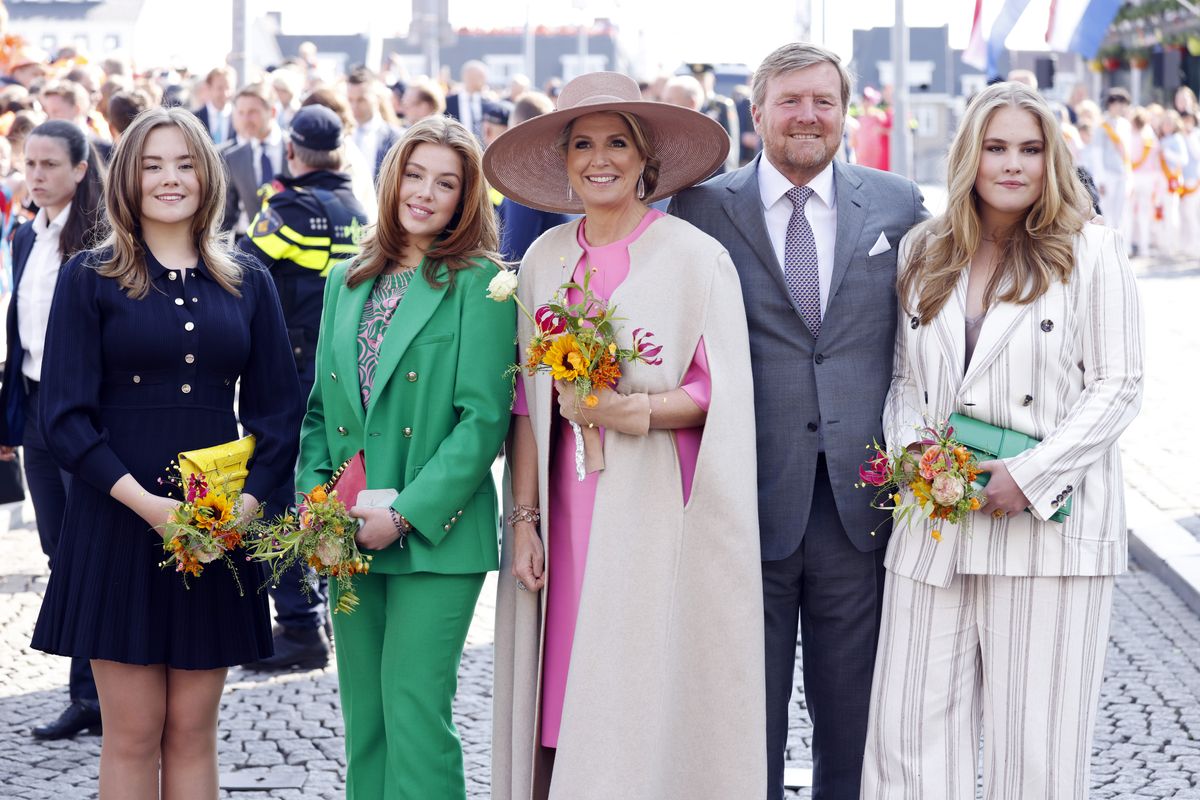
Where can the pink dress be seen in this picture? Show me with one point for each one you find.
(572, 500)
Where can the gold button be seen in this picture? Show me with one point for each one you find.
(189, 326)
(186, 388)
(171, 274)
(446, 528)
(332, 374)
(412, 377)
(407, 433)
(297, 350)
(178, 301)
(189, 358)
(460, 512)
(341, 430)
(137, 378)
(195, 299)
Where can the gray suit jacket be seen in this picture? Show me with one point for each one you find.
(803, 387)
(241, 192)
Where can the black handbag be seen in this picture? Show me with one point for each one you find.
(12, 481)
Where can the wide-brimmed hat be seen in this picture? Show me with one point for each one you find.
(525, 164)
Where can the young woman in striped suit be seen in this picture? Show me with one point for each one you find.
(1016, 312)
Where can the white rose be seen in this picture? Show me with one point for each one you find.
(502, 286)
(329, 550)
(947, 489)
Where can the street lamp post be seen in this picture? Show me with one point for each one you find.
(901, 156)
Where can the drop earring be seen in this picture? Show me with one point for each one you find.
(641, 187)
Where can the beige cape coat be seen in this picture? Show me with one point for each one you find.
(665, 696)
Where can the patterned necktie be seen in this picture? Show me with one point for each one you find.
(800, 273)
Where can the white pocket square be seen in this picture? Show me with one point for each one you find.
(882, 245)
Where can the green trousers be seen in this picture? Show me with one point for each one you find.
(397, 658)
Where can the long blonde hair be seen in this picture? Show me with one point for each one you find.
(471, 232)
(1038, 250)
(123, 199)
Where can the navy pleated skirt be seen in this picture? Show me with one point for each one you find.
(109, 599)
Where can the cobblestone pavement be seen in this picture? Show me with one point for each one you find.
(287, 729)
(1165, 433)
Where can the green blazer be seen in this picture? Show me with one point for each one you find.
(439, 411)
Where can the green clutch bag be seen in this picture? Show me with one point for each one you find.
(988, 441)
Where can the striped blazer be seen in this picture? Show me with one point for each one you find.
(1065, 369)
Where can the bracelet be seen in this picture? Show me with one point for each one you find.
(523, 513)
(403, 526)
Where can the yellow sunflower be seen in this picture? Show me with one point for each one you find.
(214, 511)
(566, 360)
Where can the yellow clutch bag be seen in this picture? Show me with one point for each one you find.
(224, 465)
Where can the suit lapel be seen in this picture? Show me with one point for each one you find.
(950, 327)
(22, 246)
(744, 207)
(999, 325)
(420, 302)
(851, 214)
(345, 354)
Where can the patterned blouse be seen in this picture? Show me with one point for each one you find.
(382, 303)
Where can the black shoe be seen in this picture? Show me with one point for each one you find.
(296, 648)
(78, 717)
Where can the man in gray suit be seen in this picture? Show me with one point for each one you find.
(814, 242)
(255, 159)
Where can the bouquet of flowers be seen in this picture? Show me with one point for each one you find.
(320, 534)
(203, 528)
(576, 343)
(939, 482)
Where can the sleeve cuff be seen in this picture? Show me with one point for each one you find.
(101, 468)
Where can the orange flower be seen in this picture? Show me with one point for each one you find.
(962, 455)
(536, 352)
(932, 462)
(318, 494)
(591, 401)
(974, 503)
(607, 372)
(936, 534)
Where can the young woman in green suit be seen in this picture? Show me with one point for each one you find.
(410, 370)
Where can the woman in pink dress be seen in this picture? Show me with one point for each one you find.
(629, 639)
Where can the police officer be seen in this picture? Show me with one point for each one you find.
(310, 223)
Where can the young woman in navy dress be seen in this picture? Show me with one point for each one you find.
(148, 337)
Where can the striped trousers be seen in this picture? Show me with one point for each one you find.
(1016, 660)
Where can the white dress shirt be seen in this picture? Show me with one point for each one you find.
(36, 290)
(218, 122)
(470, 110)
(367, 137)
(820, 210)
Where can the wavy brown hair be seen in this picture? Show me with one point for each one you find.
(471, 232)
(1036, 251)
(123, 200)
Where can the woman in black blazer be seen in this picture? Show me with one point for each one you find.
(149, 337)
(64, 177)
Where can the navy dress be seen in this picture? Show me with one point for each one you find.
(126, 385)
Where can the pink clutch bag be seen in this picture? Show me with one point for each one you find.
(349, 479)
